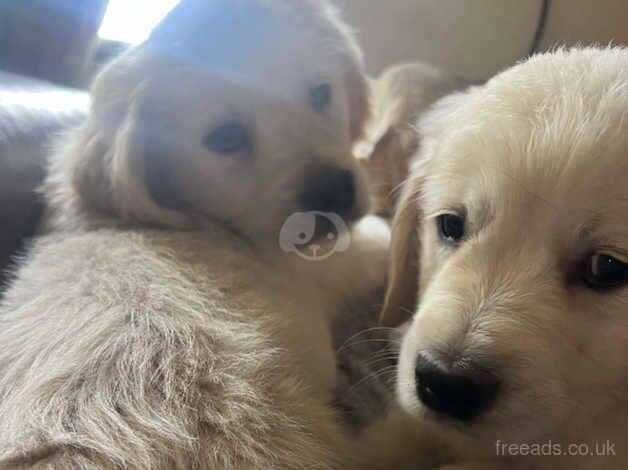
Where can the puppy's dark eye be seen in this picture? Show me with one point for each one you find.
(450, 227)
(228, 139)
(320, 97)
(604, 272)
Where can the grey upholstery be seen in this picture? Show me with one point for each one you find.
(32, 112)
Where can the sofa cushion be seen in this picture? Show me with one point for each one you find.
(32, 112)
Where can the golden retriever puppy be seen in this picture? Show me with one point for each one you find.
(160, 323)
(398, 97)
(512, 236)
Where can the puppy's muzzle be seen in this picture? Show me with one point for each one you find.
(462, 394)
(330, 189)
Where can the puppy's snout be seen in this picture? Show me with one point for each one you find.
(330, 189)
(462, 395)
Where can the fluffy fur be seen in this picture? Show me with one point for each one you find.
(157, 324)
(399, 96)
(535, 161)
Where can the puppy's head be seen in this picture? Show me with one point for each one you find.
(399, 96)
(240, 111)
(512, 239)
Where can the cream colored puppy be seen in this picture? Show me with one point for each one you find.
(399, 96)
(512, 235)
(159, 324)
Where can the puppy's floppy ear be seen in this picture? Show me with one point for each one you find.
(403, 275)
(392, 144)
(118, 167)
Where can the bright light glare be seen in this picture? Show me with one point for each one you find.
(131, 21)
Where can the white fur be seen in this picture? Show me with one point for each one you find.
(139, 335)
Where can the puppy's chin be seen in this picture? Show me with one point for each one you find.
(471, 438)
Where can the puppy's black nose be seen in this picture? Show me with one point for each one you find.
(461, 396)
(329, 189)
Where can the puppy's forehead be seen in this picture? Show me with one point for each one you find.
(554, 127)
(262, 41)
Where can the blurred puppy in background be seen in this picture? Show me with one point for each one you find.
(158, 324)
(399, 96)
